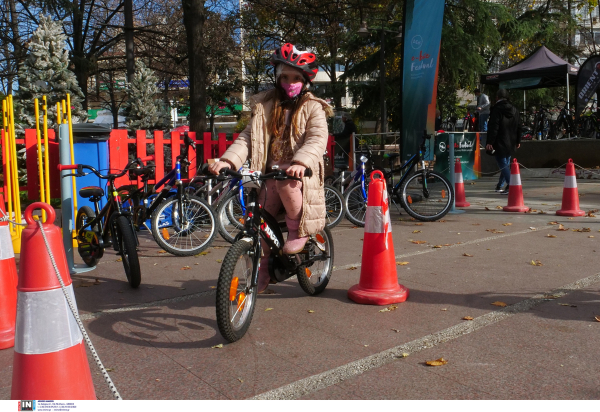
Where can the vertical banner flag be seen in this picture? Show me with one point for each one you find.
(588, 80)
(422, 36)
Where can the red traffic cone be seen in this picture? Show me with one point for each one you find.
(49, 360)
(570, 199)
(378, 283)
(8, 285)
(515, 191)
(459, 186)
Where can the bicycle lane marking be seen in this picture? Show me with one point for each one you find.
(469, 242)
(350, 370)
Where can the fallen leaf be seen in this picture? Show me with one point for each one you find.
(553, 223)
(268, 309)
(404, 354)
(109, 369)
(155, 264)
(219, 260)
(571, 217)
(161, 251)
(219, 346)
(396, 330)
(467, 255)
(536, 263)
(561, 228)
(567, 304)
(157, 380)
(487, 208)
(240, 379)
(212, 287)
(468, 318)
(583, 229)
(418, 224)
(506, 224)
(443, 310)
(442, 221)
(532, 228)
(206, 252)
(391, 308)
(597, 318)
(499, 207)
(119, 260)
(352, 268)
(549, 235)
(498, 303)
(418, 242)
(196, 264)
(311, 311)
(541, 212)
(402, 263)
(437, 246)
(185, 268)
(416, 231)
(437, 362)
(591, 236)
(365, 346)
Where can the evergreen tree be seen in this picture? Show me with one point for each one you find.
(45, 72)
(144, 111)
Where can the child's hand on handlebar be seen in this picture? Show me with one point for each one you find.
(215, 168)
(295, 171)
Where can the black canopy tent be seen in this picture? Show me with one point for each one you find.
(540, 69)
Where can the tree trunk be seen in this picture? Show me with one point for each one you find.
(130, 62)
(193, 20)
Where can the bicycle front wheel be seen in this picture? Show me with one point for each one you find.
(427, 200)
(355, 202)
(236, 297)
(128, 250)
(186, 233)
(334, 206)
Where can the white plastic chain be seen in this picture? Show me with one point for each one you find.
(109, 381)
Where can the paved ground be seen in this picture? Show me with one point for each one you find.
(158, 340)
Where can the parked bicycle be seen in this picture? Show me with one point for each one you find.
(424, 194)
(181, 223)
(589, 122)
(112, 226)
(564, 125)
(238, 279)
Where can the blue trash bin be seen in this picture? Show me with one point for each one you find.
(90, 145)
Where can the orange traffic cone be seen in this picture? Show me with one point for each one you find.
(378, 283)
(8, 284)
(515, 191)
(459, 186)
(570, 199)
(49, 360)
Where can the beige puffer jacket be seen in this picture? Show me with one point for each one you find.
(308, 147)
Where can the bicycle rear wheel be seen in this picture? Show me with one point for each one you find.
(428, 202)
(236, 297)
(355, 202)
(334, 206)
(230, 216)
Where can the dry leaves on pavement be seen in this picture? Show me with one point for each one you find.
(204, 253)
(561, 228)
(499, 207)
(416, 231)
(352, 268)
(418, 242)
(553, 223)
(506, 224)
(467, 255)
(311, 311)
(583, 229)
(418, 224)
(162, 251)
(437, 362)
(597, 318)
(119, 260)
(219, 346)
(536, 263)
(487, 208)
(498, 303)
(402, 263)
(268, 309)
(389, 309)
(568, 304)
(494, 231)
(468, 318)
(185, 268)
(549, 235)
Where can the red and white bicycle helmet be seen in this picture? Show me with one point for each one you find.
(303, 60)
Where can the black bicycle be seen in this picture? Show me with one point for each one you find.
(238, 278)
(112, 226)
(564, 125)
(424, 194)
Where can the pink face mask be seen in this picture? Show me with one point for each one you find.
(292, 90)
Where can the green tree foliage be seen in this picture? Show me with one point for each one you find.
(45, 72)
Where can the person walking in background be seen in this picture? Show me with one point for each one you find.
(342, 140)
(504, 136)
(483, 108)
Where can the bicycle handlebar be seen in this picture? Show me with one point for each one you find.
(146, 158)
(67, 167)
(278, 174)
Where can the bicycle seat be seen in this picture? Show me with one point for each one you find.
(91, 191)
